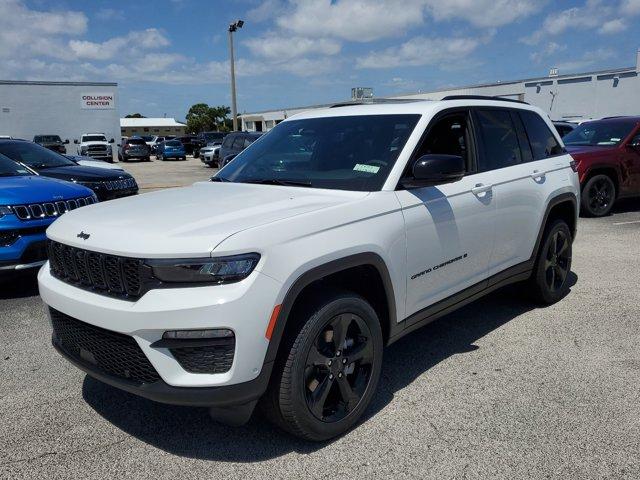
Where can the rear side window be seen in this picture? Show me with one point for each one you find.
(543, 142)
(238, 142)
(499, 140)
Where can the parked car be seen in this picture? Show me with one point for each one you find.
(95, 145)
(52, 142)
(28, 205)
(171, 149)
(607, 153)
(153, 144)
(147, 138)
(564, 128)
(106, 184)
(134, 147)
(93, 162)
(210, 155)
(234, 143)
(191, 144)
(211, 138)
(337, 233)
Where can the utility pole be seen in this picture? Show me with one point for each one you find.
(234, 109)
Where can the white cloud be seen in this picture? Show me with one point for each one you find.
(110, 14)
(284, 48)
(420, 51)
(630, 7)
(616, 25)
(145, 39)
(354, 20)
(587, 60)
(483, 13)
(266, 10)
(549, 49)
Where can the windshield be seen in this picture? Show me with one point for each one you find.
(34, 155)
(94, 138)
(46, 138)
(9, 168)
(173, 143)
(604, 134)
(147, 138)
(343, 153)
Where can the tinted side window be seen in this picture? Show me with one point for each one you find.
(228, 141)
(238, 142)
(523, 140)
(543, 142)
(499, 140)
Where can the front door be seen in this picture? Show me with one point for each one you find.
(449, 228)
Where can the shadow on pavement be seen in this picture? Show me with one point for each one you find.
(189, 432)
(19, 285)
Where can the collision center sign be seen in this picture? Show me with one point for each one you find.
(98, 101)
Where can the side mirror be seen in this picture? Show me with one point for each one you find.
(111, 141)
(75, 141)
(430, 170)
(66, 142)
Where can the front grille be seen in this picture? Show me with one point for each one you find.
(107, 352)
(97, 148)
(36, 211)
(105, 274)
(121, 184)
(209, 359)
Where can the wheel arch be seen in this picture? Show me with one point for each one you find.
(563, 206)
(380, 293)
(603, 169)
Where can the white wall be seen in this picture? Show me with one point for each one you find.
(28, 109)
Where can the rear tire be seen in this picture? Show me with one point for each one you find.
(598, 196)
(549, 281)
(327, 369)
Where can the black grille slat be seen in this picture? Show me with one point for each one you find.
(211, 359)
(102, 273)
(108, 352)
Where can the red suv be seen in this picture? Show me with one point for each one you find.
(607, 153)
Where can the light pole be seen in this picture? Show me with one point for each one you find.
(234, 109)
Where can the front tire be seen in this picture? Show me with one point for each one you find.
(598, 196)
(549, 281)
(328, 368)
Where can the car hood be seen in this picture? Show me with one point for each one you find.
(34, 189)
(86, 144)
(586, 152)
(99, 164)
(50, 144)
(83, 173)
(190, 221)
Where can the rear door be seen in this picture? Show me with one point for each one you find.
(526, 163)
(449, 228)
(631, 161)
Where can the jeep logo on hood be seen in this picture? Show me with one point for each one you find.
(84, 236)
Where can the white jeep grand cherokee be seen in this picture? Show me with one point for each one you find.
(338, 232)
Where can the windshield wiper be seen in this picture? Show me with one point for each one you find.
(279, 181)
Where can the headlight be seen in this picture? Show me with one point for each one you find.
(5, 210)
(205, 270)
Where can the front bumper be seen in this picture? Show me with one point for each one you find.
(243, 307)
(29, 251)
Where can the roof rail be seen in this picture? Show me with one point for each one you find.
(482, 97)
(614, 116)
(378, 101)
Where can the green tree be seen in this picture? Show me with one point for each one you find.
(201, 118)
(135, 115)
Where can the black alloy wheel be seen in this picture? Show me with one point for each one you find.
(598, 196)
(338, 368)
(549, 281)
(328, 366)
(557, 261)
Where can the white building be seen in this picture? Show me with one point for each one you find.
(151, 126)
(576, 96)
(68, 109)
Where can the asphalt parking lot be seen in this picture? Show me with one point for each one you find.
(499, 389)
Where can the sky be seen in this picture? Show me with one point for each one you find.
(167, 55)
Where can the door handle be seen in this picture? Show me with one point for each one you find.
(481, 188)
(537, 175)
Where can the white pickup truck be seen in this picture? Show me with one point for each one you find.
(95, 145)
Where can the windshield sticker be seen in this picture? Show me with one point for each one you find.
(366, 168)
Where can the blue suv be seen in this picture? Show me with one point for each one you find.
(28, 205)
